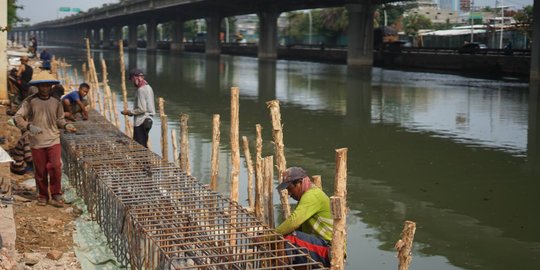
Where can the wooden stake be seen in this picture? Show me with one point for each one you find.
(184, 144)
(95, 81)
(106, 91)
(339, 211)
(116, 121)
(259, 193)
(175, 147)
(164, 130)
(76, 77)
(317, 181)
(235, 148)
(268, 172)
(249, 165)
(54, 66)
(404, 245)
(281, 163)
(215, 152)
(128, 130)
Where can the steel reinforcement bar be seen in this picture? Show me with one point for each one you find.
(155, 216)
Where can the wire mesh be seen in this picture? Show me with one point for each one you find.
(155, 216)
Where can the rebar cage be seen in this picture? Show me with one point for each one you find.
(155, 216)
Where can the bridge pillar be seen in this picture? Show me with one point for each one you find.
(212, 46)
(177, 43)
(268, 35)
(106, 39)
(360, 34)
(116, 35)
(96, 37)
(535, 49)
(151, 35)
(132, 38)
(267, 80)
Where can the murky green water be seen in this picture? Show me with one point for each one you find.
(459, 156)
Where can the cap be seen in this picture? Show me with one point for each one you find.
(43, 77)
(290, 175)
(135, 72)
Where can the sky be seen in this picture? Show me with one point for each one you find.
(44, 10)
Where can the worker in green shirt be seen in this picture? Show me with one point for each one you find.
(310, 225)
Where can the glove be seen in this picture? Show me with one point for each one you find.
(34, 130)
(70, 127)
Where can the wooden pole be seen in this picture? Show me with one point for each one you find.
(259, 193)
(268, 172)
(106, 91)
(175, 147)
(235, 148)
(339, 211)
(95, 81)
(116, 121)
(184, 144)
(215, 152)
(281, 163)
(87, 41)
(128, 130)
(404, 245)
(76, 77)
(249, 165)
(317, 181)
(164, 130)
(54, 65)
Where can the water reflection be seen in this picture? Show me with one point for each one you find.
(460, 156)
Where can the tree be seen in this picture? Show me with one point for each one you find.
(413, 23)
(524, 19)
(394, 12)
(12, 13)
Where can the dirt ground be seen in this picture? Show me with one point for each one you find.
(44, 233)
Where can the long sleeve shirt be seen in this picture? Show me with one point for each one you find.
(47, 114)
(312, 215)
(144, 106)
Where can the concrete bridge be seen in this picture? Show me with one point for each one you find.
(110, 20)
(106, 23)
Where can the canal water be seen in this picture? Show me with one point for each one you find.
(457, 155)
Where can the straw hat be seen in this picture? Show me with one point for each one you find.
(43, 77)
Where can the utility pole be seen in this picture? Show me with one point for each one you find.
(472, 20)
(502, 25)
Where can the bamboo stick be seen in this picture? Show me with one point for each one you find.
(106, 91)
(235, 148)
(184, 144)
(404, 245)
(259, 205)
(317, 181)
(281, 163)
(116, 120)
(95, 80)
(268, 175)
(339, 211)
(76, 77)
(249, 165)
(127, 129)
(215, 152)
(164, 130)
(174, 146)
(54, 65)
